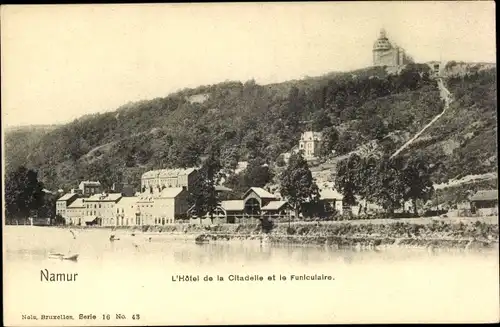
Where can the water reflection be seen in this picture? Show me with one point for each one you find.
(398, 280)
(22, 243)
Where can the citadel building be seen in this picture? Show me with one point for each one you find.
(387, 54)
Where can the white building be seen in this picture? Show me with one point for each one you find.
(127, 211)
(100, 209)
(331, 199)
(90, 187)
(145, 209)
(310, 142)
(155, 181)
(63, 202)
(169, 205)
(75, 213)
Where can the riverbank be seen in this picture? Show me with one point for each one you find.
(430, 233)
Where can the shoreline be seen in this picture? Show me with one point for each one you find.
(438, 234)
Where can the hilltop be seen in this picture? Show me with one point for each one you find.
(372, 109)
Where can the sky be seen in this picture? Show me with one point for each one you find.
(60, 62)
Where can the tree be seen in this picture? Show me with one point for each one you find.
(374, 128)
(346, 178)
(417, 181)
(347, 142)
(390, 187)
(321, 120)
(203, 196)
(297, 184)
(23, 193)
(257, 173)
(366, 179)
(294, 107)
(48, 208)
(330, 139)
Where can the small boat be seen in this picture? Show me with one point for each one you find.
(201, 239)
(61, 256)
(113, 238)
(72, 257)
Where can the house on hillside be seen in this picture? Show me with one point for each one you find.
(310, 142)
(125, 189)
(484, 203)
(89, 188)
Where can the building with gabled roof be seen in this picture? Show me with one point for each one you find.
(100, 209)
(127, 211)
(232, 210)
(277, 209)
(90, 187)
(62, 204)
(331, 200)
(484, 202)
(310, 143)
(256, 198)
(156, 180)
(75, 212)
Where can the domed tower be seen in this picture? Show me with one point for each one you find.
(381, 48)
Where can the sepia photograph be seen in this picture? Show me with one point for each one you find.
(249, 163)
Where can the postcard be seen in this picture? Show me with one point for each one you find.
(249, 163)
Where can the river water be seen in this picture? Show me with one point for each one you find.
(134, 277)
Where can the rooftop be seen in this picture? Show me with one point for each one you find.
(274, 205)
(168, 172)
(263, 194)
(485, 195)
(127, 200)
(170, 192)
(222, 188)
(330, 194)
(233, 205)
(67, 196)
(90, 183)
(78, 203)
(382, 43)
(310, 135)
(104, 197)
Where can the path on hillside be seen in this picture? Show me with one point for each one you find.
(446, 96)
(467, 180)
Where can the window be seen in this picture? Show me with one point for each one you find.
(99, 205)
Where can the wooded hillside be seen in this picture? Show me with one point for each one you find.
(247, 120)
